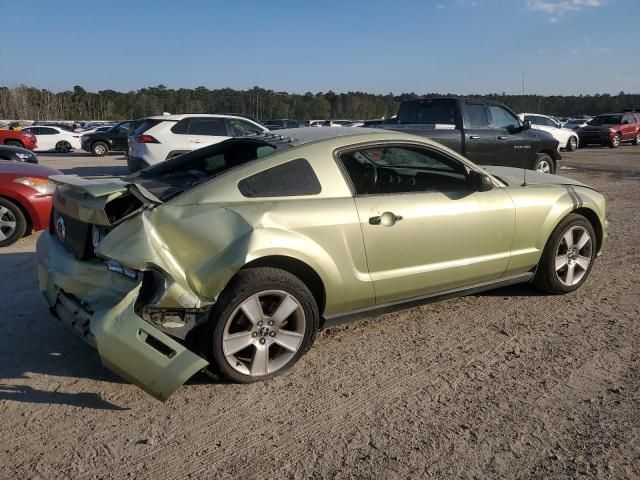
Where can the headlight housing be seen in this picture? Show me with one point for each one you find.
(24, 156)
(41, 185)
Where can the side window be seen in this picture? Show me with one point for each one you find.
(548, 122)
(48, 131)
(241, 127)
(629, 119)
(208, 126)
(180, 128)
(34, 130)
(292, 124)
(290, 179)
(402, 169)
(532, 118)
(503, 118)
(125, 127)
(476, 116)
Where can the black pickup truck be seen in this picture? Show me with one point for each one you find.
(113, 140)
(486, 132)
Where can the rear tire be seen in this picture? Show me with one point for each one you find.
(567, 257)
(245, 349)
(615, 141)
(63, 147)
(572, 144)
(99, 149)
(13, 223)
(14, 143)
(544, 164)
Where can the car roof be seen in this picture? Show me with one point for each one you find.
(181, 116)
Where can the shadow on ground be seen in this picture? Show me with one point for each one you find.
(24, 393)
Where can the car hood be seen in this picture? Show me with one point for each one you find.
(516, 176)
(27, 169)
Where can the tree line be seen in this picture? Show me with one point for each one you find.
(30, 103)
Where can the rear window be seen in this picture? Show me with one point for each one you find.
(146, 125)
(294, 178)
(430, 112)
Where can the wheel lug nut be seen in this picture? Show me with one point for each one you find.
(262, 340)
(272, 334)
(270, 322)
(260, 323)
(254, 334)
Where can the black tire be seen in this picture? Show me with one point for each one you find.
(245, 284)
(11, 213)
(63, 146)
(14, 143)
(99, 149)
(572, 144)
(541, 160)
(636, 140)
(546, 277)
(615, 141)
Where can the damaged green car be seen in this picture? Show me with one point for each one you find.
(231, 257)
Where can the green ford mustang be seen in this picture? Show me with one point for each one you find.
(231, 257)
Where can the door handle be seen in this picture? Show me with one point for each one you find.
(501, 137)
(387, 219)
(474, 137)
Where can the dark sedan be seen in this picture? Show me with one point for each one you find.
(17, 154)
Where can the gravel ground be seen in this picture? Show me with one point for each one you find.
(506, 384)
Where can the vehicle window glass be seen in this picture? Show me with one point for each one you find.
(181, 128)
(388, 170)
(242, 127)
(532, 118)
(207, 126)
(607, 120)
(48, 131)
(502, 118)
(126, 126)
(146, 125)
(435, 112)
(294, 178)
(477, 116)
(292, 125)
(34, 130)
(547, 122)
(629, 119)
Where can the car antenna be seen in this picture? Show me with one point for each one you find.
(524, 140)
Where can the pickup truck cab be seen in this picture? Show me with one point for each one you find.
(486, 132)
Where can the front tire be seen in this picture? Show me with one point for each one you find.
(13, 223)
(99, 149)
(615, 141)
(636, 140)
(567, 257)
(544, 164)
(265, 320)
(572, 144)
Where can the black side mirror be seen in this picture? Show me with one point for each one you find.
(526, 124)
(479, 182)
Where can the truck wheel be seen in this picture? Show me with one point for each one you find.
(544, 164)
(265, 320)
(572, 144)
(14, 143)
(99, 149)
(615, 141)
(13, 224)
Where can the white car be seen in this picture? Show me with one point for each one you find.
(54, 138)
(568, 139)
(576, 123)
(165, 136)
(336, 123)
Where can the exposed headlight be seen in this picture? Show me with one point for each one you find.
(24, 156)
(41, 185)
(116, 267)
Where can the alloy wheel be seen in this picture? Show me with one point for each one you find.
(99, 150)
(573, 256)
(8, 223)
(543, 167)
(264, 333)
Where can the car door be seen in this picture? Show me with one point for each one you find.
(424, 229)
(47, 137)
(480, 138)
(629, 127)
(512, 146)
(120, 136)
(205, 131)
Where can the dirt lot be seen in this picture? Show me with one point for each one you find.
(507, 384)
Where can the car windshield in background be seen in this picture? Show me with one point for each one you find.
(607, 120)
(146, 125)
(185, 171)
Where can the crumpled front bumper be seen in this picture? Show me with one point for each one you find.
(99, 306)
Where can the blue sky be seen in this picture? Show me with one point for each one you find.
(457, 46)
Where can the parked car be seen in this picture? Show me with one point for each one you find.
(336, 123)
(280, 124)
(315, 123)
(486, 132)
(17, 154)
(18, 138)
(235, 254)
(54, 138)
(575, 124)
(612, 129)
(114, 139)
(165, 136)
(25, 199)
(567, 138)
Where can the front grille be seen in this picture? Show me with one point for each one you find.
(77, 235)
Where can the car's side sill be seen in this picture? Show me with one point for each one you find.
(337, 318)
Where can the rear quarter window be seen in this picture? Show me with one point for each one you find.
(291, 179)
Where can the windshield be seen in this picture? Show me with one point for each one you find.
(607, 120)
(185, 171)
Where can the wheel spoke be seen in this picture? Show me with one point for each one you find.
(289, 340)
(285, 309)
(570, 272)
(2, 236)
(260, 362)
(568, 238)
(583, 240)
(583, 262)
(7, 223)
(3, 211)
(236, 342)
(252, 309)
(561, 261)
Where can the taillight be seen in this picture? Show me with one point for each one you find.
(146, 139)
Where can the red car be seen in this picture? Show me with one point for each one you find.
(16, 138)
(611, 129)
(25, 199)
